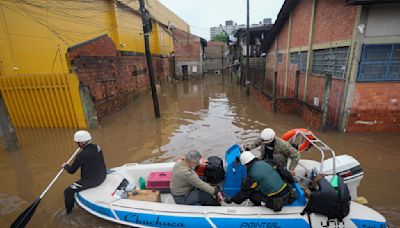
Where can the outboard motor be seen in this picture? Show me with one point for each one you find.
(214, 171)
(349, 169)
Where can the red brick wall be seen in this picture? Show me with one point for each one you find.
(288, 105)
(265, 101)
(100, 46)
(300, 26)
(335, 101)
(186, 46)
(375, 107)
(281, 70)
(301, 85)
(282, 37)
(315, 88)
(309, 114)
(113, 80)
(334, 20)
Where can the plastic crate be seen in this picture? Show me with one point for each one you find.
(159, 180)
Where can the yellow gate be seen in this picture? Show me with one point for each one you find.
(48, 100)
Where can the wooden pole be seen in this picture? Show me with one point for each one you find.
(146, 26)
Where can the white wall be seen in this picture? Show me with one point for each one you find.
(383, 20)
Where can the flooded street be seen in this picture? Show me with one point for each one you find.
(208, 115)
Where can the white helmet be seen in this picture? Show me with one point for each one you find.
(82, 136)
(268, 135)
(246, 157)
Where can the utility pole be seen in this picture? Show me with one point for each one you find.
(248, 43)
(222, 60)
(146, 30)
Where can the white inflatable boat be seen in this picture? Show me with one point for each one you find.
(160, 210)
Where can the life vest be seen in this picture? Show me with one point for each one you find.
(305, 145)
(268, 179)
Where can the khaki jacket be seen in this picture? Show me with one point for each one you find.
(282, 151)
(184, 179)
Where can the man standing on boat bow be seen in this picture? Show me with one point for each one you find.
(93, 168)
(187, 187)
(275, 150)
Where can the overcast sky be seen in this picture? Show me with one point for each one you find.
(202, 15)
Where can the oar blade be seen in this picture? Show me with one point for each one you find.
(25, 216)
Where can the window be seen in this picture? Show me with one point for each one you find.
(279, 58)
(330, 61)
(380, 63)
(299, 58)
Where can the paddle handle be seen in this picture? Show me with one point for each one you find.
(58, 174)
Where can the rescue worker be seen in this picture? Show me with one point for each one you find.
(262, 184)
(186, 186)
(276, 150)
(93, 168)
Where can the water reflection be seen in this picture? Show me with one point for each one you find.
(208, 115)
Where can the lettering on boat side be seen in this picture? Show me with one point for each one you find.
(259, 225)
(157, 221)
(335, 223)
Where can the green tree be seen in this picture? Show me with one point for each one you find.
(222, 37)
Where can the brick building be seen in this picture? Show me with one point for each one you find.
(216, 56)
(109, 79)
(188, 54)
(357, 43)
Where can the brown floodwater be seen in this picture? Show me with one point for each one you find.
(208, 115)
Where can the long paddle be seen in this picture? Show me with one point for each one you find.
(25, 216)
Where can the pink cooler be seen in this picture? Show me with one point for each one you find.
(159, 180)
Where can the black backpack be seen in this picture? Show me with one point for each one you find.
(214, 171)
(326, 201)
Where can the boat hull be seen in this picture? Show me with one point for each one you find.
(99, 202)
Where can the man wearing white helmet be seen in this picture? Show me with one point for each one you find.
(276, 150)
(262, 184)
(93, 168)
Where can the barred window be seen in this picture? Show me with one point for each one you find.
(299, 58)
(279, 58)
(330, 61)
(380, 63)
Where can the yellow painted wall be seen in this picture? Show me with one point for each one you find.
(34, 38)
(35, 81)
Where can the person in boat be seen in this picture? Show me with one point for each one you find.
(186, 186)
(263, 184)
(275, 150)
(93, 168)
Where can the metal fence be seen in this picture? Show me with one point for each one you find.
(49, 100)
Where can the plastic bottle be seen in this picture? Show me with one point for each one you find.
(142, 183)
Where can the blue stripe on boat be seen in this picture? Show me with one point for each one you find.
(259, 222)
(369, 223)
(99, 209)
